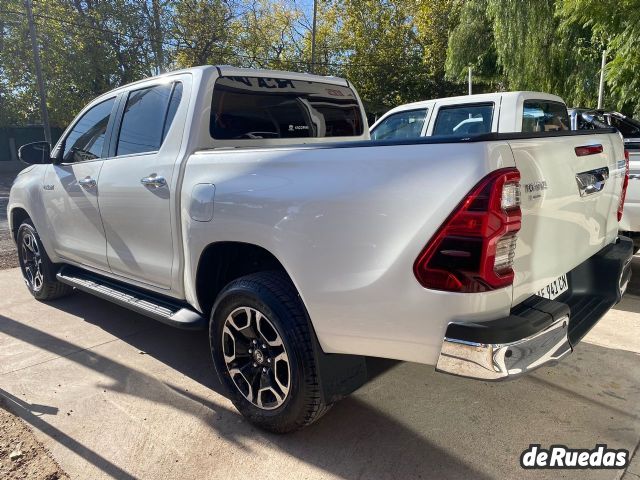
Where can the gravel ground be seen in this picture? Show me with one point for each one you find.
(8, 255)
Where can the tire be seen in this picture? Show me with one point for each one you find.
(266, 307)
(38, 271)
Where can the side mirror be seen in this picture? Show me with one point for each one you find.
(35, 153)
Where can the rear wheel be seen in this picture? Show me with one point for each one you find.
(38, 271)
(262, 349)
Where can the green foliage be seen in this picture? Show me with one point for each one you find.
(472, 44)
(614, 25)
(553, 46)
(393, 51)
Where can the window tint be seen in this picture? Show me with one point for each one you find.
(401, 125)
(176, 96)
(628, 127)
(254, 108)
(147, 117)
(464, 120)
(544, 116)
(86, 139)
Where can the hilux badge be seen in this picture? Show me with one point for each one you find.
(534, 190)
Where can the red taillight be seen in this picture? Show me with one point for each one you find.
(473, 250)
(588, 150)
(625, 184)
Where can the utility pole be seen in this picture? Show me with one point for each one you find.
(36, 60)
(470, 86)
(601, 89)
(313, 37)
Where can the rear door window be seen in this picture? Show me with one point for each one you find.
(244, 108)
(544, 116)
(401, 125)
(147, 117)
(464, 119)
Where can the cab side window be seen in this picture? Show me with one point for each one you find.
(147, 117)
(464, 119)
(544, 116)
(401, 125)
(86, 139)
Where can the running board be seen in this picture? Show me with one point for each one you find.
(156, 307)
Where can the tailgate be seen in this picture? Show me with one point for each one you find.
(561, 227)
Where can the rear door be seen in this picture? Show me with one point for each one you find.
(570, 187)
(138, 181)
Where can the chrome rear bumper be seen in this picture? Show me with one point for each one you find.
(497, 361)
(539, 331)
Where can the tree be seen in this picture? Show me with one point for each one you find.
(202, 32)
(616, 27)
(472, 44)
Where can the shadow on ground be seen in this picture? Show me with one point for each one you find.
(188, 353)
(397, 426)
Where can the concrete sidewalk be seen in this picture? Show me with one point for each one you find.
(114, 394)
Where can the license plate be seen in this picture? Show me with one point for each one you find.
(555, 288)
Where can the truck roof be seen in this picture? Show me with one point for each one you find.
(228, 70)
(482, 97)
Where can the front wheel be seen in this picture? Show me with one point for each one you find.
(38, 271)
(262, 348)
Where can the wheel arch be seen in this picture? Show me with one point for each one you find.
(16, 216)
(223, 262)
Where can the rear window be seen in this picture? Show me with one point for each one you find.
(401, 125)
(464, 119)
(544, 116)
(258, 108)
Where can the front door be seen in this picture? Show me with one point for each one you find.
(70, 189)
(137, 184)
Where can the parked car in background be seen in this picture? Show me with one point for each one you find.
(252, 204)
(586, 119)
(474, 114)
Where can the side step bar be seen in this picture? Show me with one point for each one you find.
(162, 309)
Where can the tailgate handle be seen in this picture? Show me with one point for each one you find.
(592, 181)
(588, 150)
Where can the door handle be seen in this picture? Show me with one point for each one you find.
(153, 181)
(592, 181)
(87, 183)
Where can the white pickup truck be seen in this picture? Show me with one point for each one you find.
(253, 203)
(474, 114)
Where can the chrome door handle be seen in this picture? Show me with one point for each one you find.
(153, 181)
(592, 181)
(87, 183)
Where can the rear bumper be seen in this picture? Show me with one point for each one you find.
(539, 331)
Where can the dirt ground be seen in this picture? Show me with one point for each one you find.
(21, 455)
(8, 256)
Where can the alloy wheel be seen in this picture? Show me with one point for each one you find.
(256, 358)
(31, 262)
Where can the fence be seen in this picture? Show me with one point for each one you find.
(12, 138)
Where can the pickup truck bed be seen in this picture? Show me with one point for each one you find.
(485, 256)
